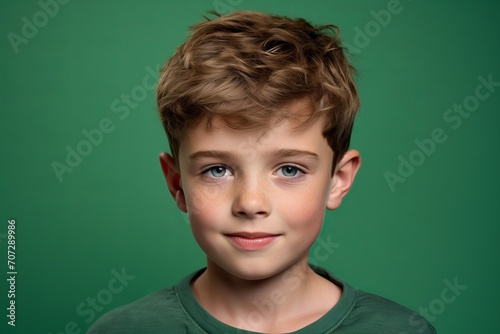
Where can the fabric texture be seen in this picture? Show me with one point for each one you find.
(176, 310)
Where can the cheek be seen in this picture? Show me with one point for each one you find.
(205, 205)
(204, 218)
(307, 210)
(200, 200)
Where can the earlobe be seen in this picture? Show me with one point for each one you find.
(173, 178)
(343, 178)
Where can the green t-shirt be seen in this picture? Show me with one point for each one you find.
(175, 310)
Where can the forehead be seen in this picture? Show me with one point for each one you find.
(278, 135)
(297, 115)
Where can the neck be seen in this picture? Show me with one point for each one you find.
(286, 301)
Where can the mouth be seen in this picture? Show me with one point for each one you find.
(252, 241)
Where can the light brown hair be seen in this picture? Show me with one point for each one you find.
(244, 67)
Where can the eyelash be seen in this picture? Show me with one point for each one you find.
(212, 178)
(301, 173)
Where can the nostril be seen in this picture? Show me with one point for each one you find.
(250, 214)
(242, 213)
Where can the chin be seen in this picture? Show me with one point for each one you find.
(253, 271)
(252, 276)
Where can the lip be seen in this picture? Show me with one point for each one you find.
(252, 241)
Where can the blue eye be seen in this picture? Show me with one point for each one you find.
(290, 171)
(217, 171)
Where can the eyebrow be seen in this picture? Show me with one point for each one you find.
(285, 153)
(281, 153)
(212, 154)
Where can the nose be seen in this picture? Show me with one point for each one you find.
(251, 199)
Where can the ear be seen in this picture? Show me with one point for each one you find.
(173, 178)
(343, 178)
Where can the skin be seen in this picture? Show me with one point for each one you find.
(276, 181)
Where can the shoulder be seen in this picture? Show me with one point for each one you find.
(361, 312)
(373, 310)
(150, 314)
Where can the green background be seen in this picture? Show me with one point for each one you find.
(113, 211)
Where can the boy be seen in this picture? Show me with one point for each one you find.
(258, 110)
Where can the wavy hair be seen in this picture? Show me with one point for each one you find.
(244, 67)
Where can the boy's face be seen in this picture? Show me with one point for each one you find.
(256, 199)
